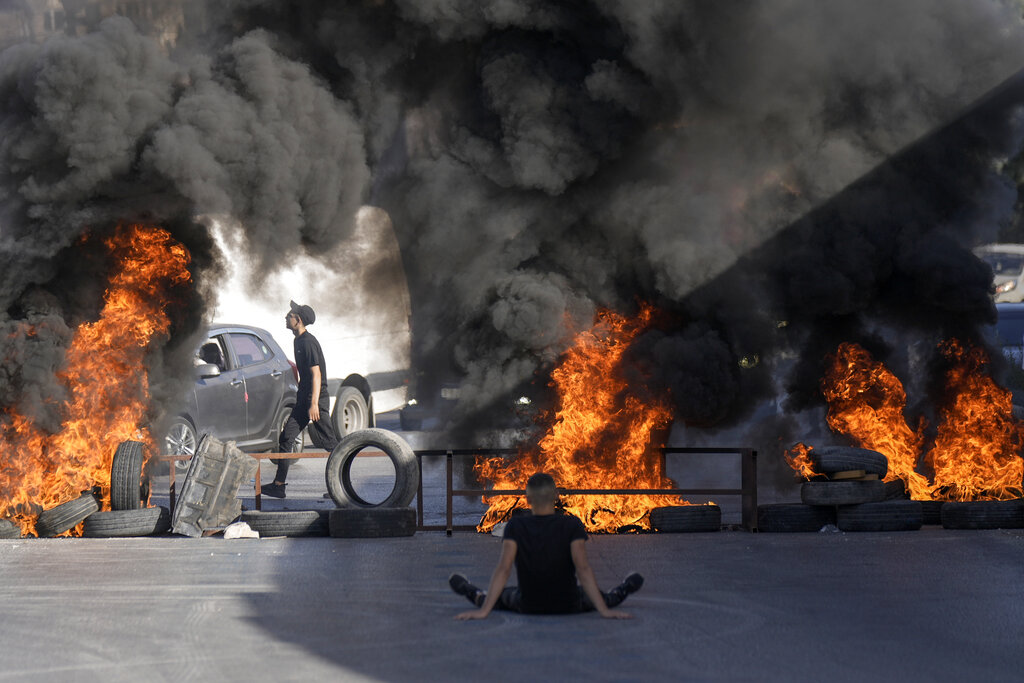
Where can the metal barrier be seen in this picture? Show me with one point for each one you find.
(747, 490)
(260, 457)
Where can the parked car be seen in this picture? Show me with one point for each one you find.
(1007, 263)
(244, 392)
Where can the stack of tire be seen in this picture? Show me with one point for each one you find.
(852, 496)
(129, 492)
(354, 516)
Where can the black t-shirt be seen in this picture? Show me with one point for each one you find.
(546, 574)
(307, 355)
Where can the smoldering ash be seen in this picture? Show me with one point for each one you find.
(766, 176)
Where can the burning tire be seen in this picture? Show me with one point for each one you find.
(931, 511)
(889, 515)
(9, 529)
(126, 477)
(794, 517)
(372, 522)
(842, 492)
(680, 518)
(984, 514)
(66, 516)
(288, 523)
(126, 523)
(339, 469)
(832, 459)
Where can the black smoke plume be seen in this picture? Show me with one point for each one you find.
(732, 165)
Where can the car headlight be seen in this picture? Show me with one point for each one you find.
(1007, 286)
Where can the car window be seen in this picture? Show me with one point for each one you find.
(1003, 263)
(249, 349)
(212, 351)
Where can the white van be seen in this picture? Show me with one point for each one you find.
(1007, 262)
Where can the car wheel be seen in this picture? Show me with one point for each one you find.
(350, 412)
(180, 440)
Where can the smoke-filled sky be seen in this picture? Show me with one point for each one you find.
(539, 160)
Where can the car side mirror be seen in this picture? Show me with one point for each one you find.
(207, 370)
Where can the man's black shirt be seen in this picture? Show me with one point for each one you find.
(544, 567)
(307, 355)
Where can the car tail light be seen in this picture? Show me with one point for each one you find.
(295, 370)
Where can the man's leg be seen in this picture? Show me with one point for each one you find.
(321, 432)
(614, 597)
(510, 600)
(292, 426)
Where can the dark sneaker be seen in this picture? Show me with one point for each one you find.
(461, 585)
(632, 583)
(272, 490)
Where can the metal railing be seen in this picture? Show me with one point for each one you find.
(260, 457)
(747, 490)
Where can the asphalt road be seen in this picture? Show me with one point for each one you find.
(930, 605)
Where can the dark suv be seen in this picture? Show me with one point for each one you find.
(244, 391)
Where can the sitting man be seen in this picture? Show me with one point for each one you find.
(547, 549)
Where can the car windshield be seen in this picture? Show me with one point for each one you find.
(1003, 263)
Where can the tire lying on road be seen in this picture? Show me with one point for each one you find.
(931, 511)
(287, 523)
(984, 514)
(126, 477)
(794, 517)
(378, 522)
(842, 492)
(680, 518)
(125, 523)
(9, 529)
(66, 516)
(339, 469)
(887, 515)
(832, 459)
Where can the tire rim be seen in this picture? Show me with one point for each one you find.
(352, 417)
(180, 440)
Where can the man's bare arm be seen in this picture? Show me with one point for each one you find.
(589, 584)
(498, 580)
(314, 404)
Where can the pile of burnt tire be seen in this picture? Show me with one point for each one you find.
(850, 494)
(354, 516)
(128, 516)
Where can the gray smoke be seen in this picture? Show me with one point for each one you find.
(539, 161)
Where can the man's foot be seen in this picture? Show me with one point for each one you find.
(632, 583)
(274, 490)
(461, 585)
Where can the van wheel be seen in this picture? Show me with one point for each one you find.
(350, 412)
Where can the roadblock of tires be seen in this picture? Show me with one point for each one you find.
(854, 498)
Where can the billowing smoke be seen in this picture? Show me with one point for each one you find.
(539, 161)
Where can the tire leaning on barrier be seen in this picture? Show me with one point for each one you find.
(339, 469)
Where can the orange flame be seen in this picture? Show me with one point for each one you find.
(599, 439)
(799, 460)
(107, 384)
(976, 455)
(976, 452)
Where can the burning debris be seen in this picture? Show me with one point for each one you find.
(105, 382)
(974, 452)
(599, 437)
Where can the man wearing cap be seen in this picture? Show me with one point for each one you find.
(309, 359)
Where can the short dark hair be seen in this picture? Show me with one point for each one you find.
(541, 485)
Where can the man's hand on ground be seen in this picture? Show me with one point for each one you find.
(314, 413)
(616, 614)
(472, 614)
